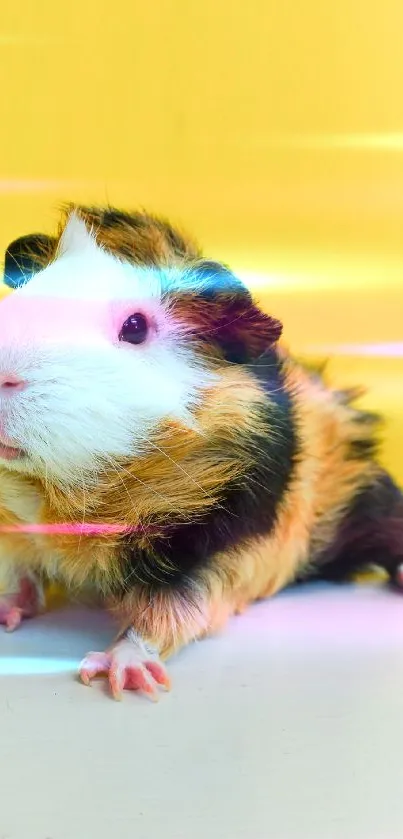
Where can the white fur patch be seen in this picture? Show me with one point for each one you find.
(75, 237)
(90, 399)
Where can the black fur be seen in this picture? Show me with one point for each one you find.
(20, 263)
(249, 506)
(371, 533)
(221, 316)
(111, 218)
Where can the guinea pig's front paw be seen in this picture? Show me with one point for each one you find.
(129, 665)
(25, 603)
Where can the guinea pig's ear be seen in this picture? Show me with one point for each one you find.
(26, 256)
(228, 317)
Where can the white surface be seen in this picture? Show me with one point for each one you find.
(288, 725)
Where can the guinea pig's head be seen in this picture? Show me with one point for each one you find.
(97, 354)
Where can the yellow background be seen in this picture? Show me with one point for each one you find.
(269, 128)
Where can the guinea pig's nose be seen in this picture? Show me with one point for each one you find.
(10, 383)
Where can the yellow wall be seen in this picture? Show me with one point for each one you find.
(269, 128)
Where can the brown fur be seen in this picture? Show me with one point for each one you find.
(178, 481)
(143, 239)
(324, 483)
(184, 476)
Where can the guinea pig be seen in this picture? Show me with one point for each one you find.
(159, 446)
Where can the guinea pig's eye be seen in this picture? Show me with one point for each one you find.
(134, 329)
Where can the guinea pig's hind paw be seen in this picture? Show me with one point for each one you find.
(128, 668)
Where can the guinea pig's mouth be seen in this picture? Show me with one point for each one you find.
(7, 450)
(10, 453)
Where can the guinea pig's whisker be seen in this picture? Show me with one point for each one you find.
(137, 573)
(277, 436)
(83, 516)
(168, 566)
(46, 478)
(140, 525)
(218, 328)
(258, 484)
(25, 276)
(148, 487)
(181, 468)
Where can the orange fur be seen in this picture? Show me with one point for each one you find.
(146, 241)
(323, 485)
(185, 474)
(178, 481)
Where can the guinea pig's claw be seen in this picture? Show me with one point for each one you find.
(127, 668)
(94, 664)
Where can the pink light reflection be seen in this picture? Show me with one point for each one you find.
(384, 349)
(74, 528)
